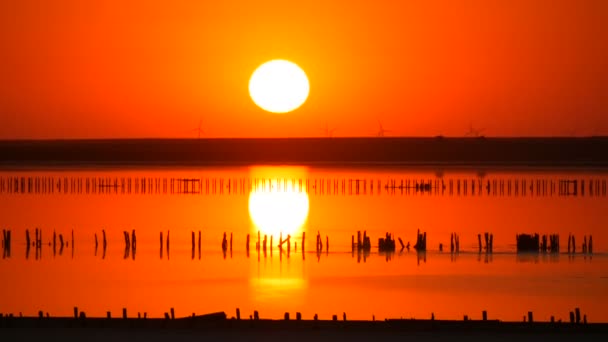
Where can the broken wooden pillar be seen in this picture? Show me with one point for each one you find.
(108, 315)
(572, 317)
(530, 317)
(238, 314)
(75, 312)
(256, 315)
(286, 316)
(484, 315)
(172, 313)
(577, 312)
(124, 313)
(298, 316)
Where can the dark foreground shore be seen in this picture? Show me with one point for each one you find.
(532, 152)
(215, 327)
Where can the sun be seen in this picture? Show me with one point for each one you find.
(279, 86)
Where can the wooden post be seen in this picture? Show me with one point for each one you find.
(75, 312)
(231, 241)
(238, 314)
(133, 240)
(452, 242)
(530, 317)
(124, 313)
(199, 242)
(256, 315)
(577, 312)
(108, 315)
(168, 232)
(487, 238)
(298, 316)
(327, 243)
(571, 317)
(172, 313)
(192, 238)
(484, 315)
(287, 316)
(103, 232)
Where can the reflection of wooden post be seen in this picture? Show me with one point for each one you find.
(479, 242)
(303, 240)
(199, 242)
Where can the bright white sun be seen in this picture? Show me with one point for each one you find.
(279, 86)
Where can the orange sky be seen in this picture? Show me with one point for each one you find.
(72, 69)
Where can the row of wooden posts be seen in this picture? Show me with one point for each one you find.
(525, 243)
(574, 316)
(335, 186)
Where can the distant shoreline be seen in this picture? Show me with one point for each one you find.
(370, 152)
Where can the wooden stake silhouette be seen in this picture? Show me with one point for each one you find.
(161, 245)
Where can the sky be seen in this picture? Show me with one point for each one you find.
(154, 68)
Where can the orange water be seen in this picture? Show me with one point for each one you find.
(403, 284)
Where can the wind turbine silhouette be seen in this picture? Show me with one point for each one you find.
(328, 132)
(472, 132)
(381, 130)
(199, 129)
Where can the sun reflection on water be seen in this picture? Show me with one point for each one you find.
(278, 202)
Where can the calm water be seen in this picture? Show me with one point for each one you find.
(281, 201)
